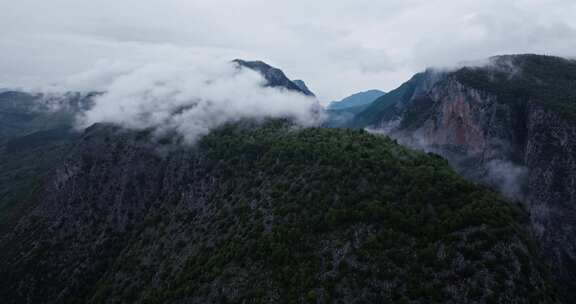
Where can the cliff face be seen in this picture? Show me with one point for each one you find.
(550, 155)
(265, 214)
(509, 132)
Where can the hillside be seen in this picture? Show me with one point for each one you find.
(356, 100)
(340, 113)
(386, 106)
(509, 123)
(34, 132)
(266, 213)
(23, 113)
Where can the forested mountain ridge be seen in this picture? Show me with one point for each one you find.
(36, 129)
(268, 213)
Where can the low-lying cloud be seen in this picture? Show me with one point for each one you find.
(508, 177)
(190, 97)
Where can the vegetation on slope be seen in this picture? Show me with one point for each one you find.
(548, 80)
(25, 163)
(383, 106)
(327, 216)
(356, 100)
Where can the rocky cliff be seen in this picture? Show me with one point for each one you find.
(511, 124)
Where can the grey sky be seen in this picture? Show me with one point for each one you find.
(337, 47)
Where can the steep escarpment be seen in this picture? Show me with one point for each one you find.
(511, 124)
(266, 213)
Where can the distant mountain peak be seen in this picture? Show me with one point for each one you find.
(273, 76)
(358, 99)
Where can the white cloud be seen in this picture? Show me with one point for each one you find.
(191, 95)
(338, 47)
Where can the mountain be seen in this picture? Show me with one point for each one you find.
(356, 100)
(37, 128)
(22, 113)
(302, 85)
(340, 113)
(266, 213)
(256, 212)
(386, 107)
(510, 123)
(342, 117)
(274, 76)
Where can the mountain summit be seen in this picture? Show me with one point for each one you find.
(274, 76)
(356, 100)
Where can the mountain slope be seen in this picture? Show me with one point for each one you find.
(34, 132)
(341, 113)
(266, 214)
(22, 113)
(302, 85)
(510, 123)
(356, 100)
(388, 106)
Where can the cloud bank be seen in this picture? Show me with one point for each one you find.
(190, 96)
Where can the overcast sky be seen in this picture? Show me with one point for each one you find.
(338, 47)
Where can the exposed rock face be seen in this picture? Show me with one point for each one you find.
(550, 155)
(518, 141)
(455, 123)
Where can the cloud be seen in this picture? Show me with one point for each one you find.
(509, 178)
(189, 95)
(338, 47)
